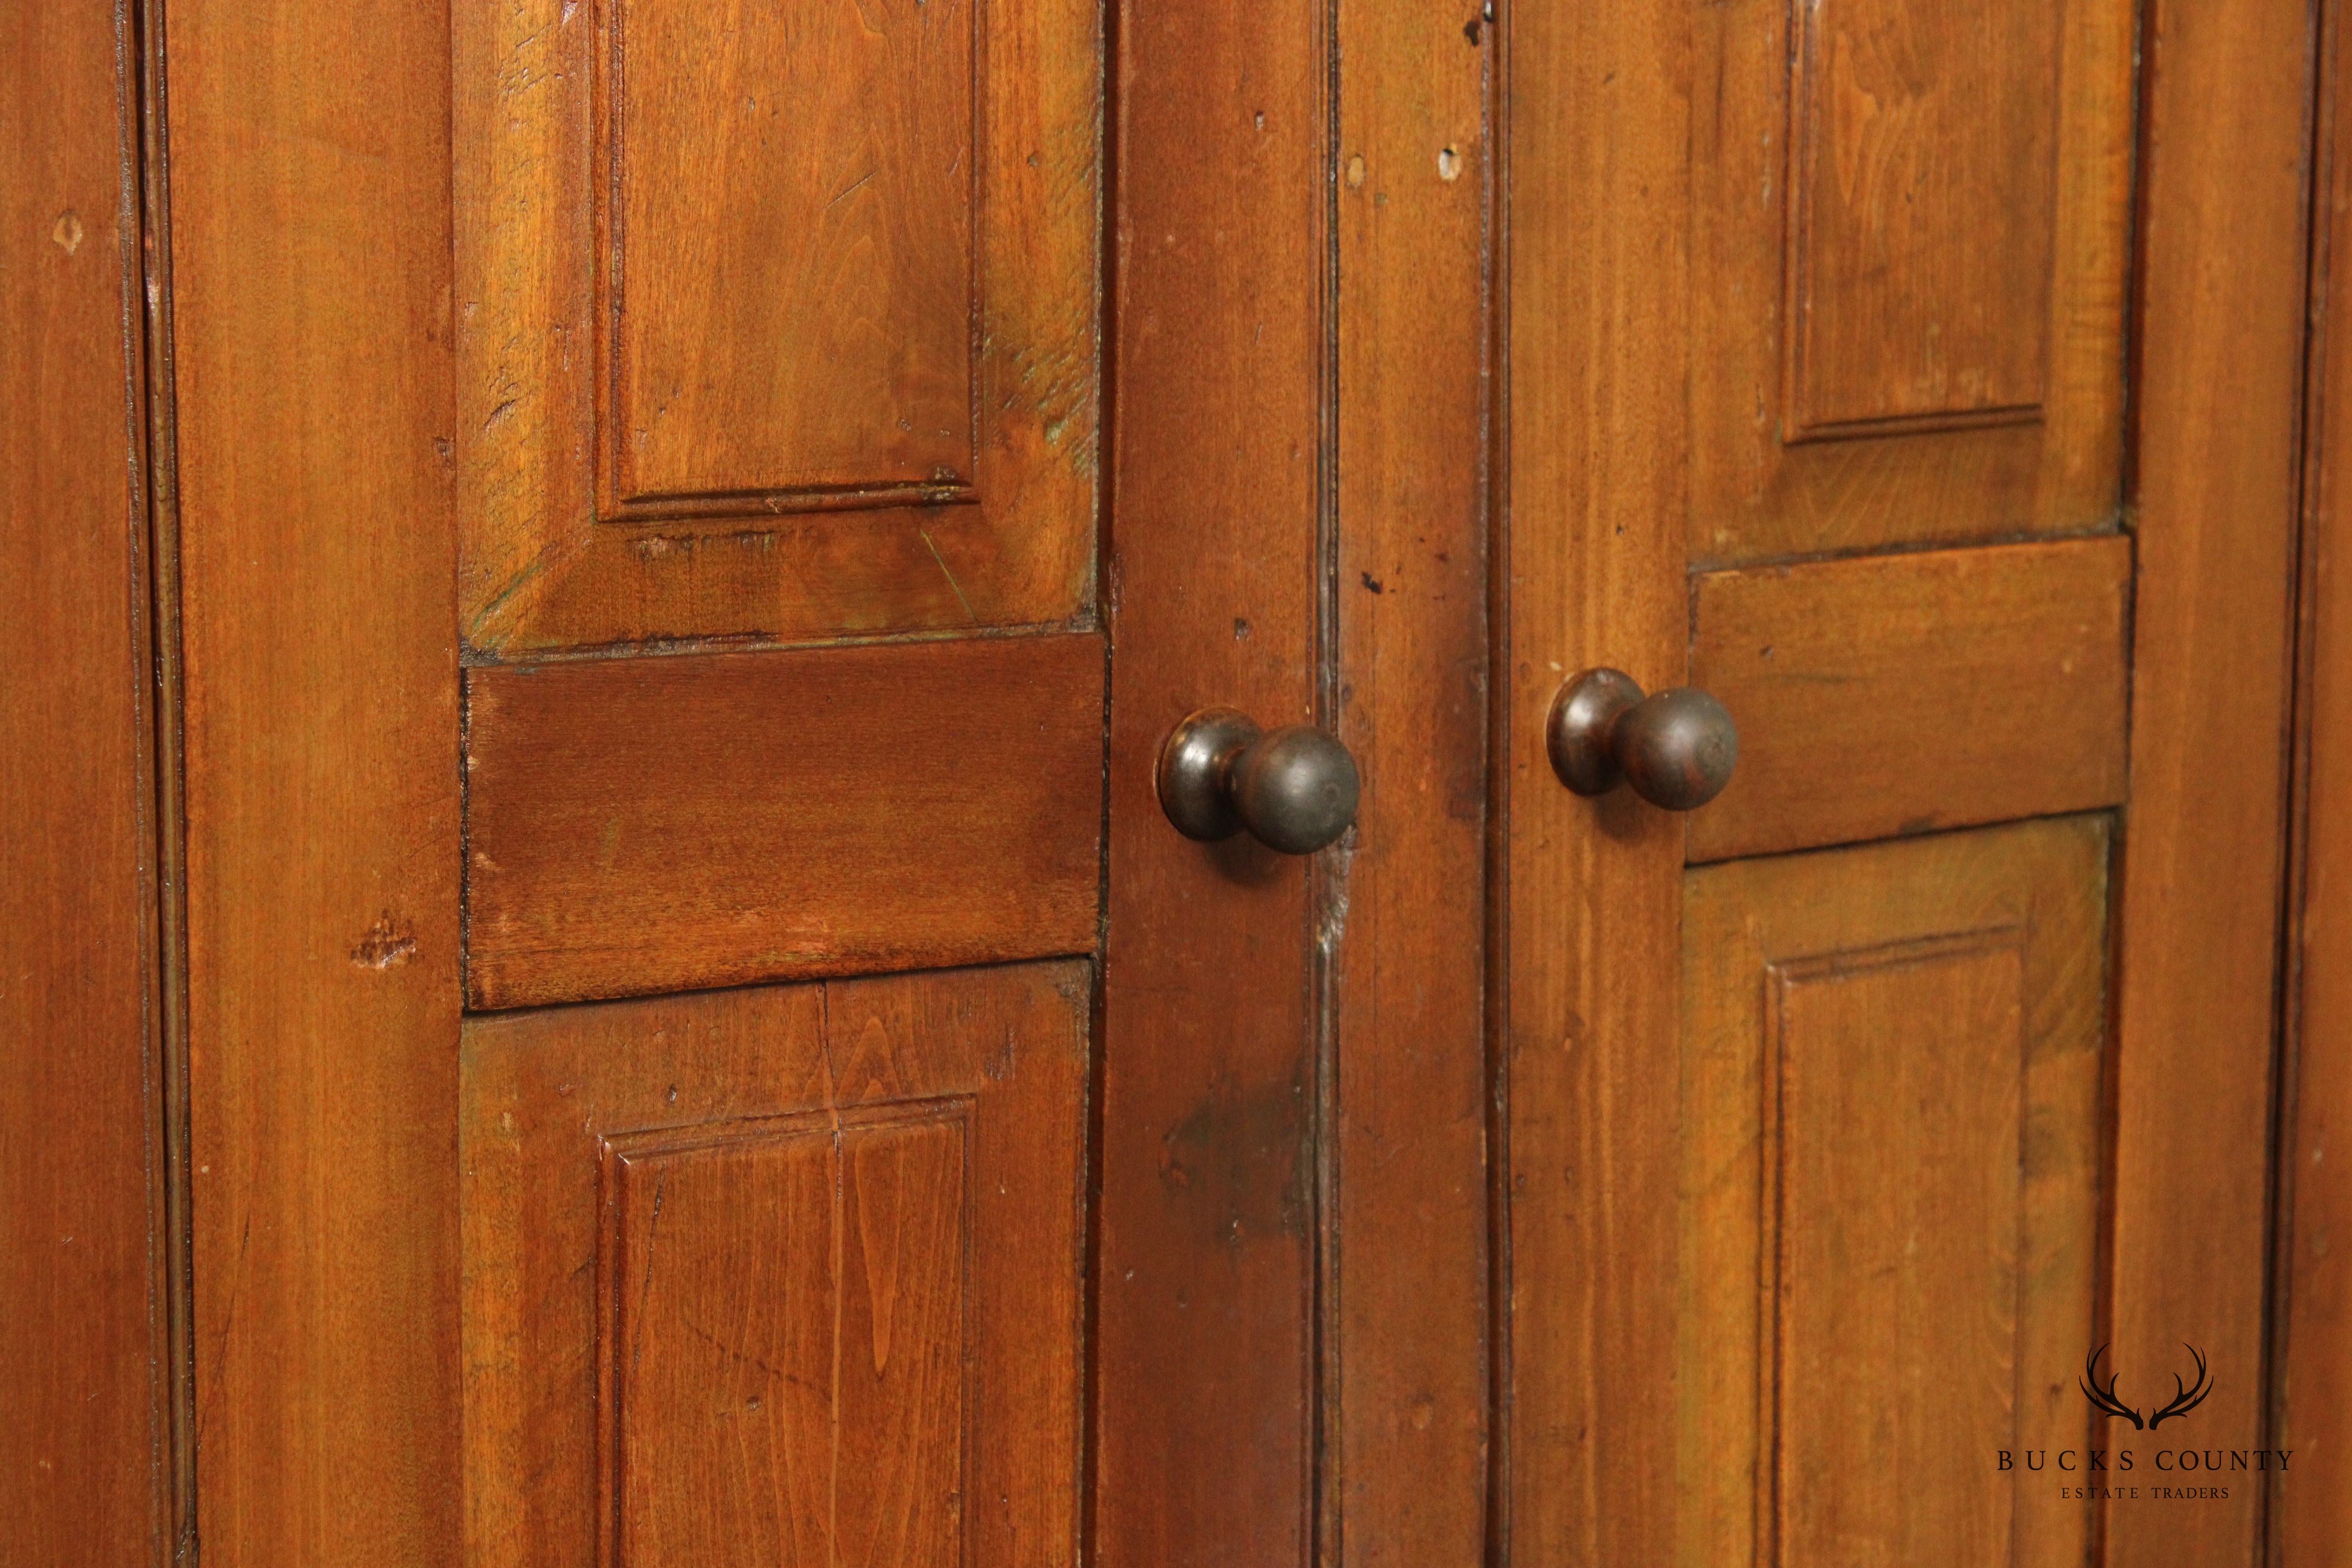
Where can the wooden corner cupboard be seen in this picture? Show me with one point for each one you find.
(1044, 783)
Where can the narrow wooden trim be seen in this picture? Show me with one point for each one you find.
(2222, 247)
(174, 1266)
(2310, 1508)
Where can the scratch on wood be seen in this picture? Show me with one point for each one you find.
(387, 943)
(942, 559)
(645, 1286)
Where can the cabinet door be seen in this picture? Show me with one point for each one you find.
(704, 1045)
(1866, 1118)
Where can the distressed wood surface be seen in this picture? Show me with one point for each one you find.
(1913, 692)
(1914, 311)
(1892, 1058)
(1407, 1302)
(310, 206)
(778, 1275)
(84, 1383)
(1598, 344)
(789, 252)
(644, 824)
(802, 300)
(2222, 258)
(1204, 1399)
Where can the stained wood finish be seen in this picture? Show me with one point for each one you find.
(645, 825)
(1920, 214)
(1598, 343)
(1205, 1408)
(2311, 1510)
(1915, 313)
(778, 1276)
(1789, 366)
(84, 1383)
(1878, 697)
(775, 322)
(1405, 1370)
(813, 332)
(1890, 1082)
(310, 254)
(2221, 327)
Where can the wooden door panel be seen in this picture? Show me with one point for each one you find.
(1922, 151)
(1890, 1069)
(784, 1276)
(788, 199)
(1909, 233)
(663, 824)
(1939, 690)
(775, 322)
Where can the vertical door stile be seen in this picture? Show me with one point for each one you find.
(1206, 1262)
(1596, 353)
(1402, 927)
(2221, 385)
(310, 264)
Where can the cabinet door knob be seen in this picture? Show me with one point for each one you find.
(1676, 748)
(1293, 788)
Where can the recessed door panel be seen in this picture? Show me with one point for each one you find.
(787, 1276)
(775, 322)
(1890, 1152)
(788, 196)
(1908, 238)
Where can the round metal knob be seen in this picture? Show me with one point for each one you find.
(1293, 788)
(1677, 749)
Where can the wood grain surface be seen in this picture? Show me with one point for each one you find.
(1205, 1408)
(1407, 1254)
(85, 1436)
(2222, 257)
(1599, 347)
(2311, 1312)
(781, 1275)
(670, 824)
(803, 301)
(1910, 243)
(310, 210)
(1902, 694)
(1892, 1059)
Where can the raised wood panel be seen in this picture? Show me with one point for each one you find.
(775, 322)
(781, 1275)
(1904, 693)
(790, 301)
(784, 1374)
(1913, 221)
(1919, 232)
(1890, 1071)
(1894, 1147)
(641, 825)
(85, 1391)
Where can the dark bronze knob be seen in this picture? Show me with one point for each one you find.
(1293, 788)
(1677, 749)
